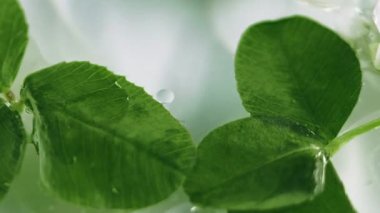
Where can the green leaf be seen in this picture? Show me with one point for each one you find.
(12, 144)
(298, 70)
(257, 163)
(103, 141)
(332, 200)
(13, 40)
(300, 81)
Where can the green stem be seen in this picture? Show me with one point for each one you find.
(9, 95)
(15, 105)
(342, 140)
(18, 106)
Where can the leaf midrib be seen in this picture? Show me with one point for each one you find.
(283, 50)
(269, 161)
(105, 130)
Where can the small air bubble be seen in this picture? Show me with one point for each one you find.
(75, 159)
(319, 172)
(114, 190)
(194, 209)
(197, 209)
(165, 96)
(117, 84)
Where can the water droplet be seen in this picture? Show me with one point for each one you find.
(311, 133)
(165, 96)
(197, 209)
(114, 190)
(194, 209)
(75, 159)
(117, 84)
(319, 172)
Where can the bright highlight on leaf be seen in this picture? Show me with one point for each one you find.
(257, 163)
(300, 82)
(332, 200)
(12, 143)
(103, 141)
(13, 40)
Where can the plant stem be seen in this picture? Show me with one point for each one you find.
(15, 105)
(340, 141)
(10, 96)
(18, 106)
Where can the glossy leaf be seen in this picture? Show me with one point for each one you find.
(300, 81)
(298, 70)
(12, 144)
(257, 163)
(13, 40)
(332, 200)
(103, 141)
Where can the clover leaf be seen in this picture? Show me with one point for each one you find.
(13, 40)
(12, 144)
(331, 200)
(300, 82)
(103, 141)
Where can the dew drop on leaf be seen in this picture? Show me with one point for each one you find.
(117, 84)
(75, 159)
(197, 209)
(319, 173)
(165, 96)
(194, 209)
(114, 190)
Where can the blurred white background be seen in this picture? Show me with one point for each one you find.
(185, 49)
